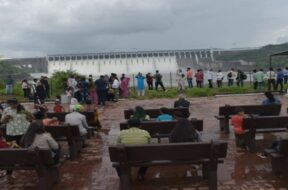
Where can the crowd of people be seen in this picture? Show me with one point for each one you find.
(25, 128)
(110, 88)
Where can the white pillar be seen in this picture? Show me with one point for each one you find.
(196, 58)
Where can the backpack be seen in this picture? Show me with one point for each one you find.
(244, 76)
(229, 75)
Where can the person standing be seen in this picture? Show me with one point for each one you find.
(181, 83)
(115, 86)
(254, 79)
(280, 79)
(231, 76)
(46, 85)
(199, 78)
(219, 78)
(72, 83)
(240, 78)
(140, 84)
(40, 93)
(9, 85)
(124, 86)
(92, 91)
(285, 75)
(25, 88)
(210, 78)
(101, 88)
(158, 81)
(84, 89)
(271, 79)
(149, 80)
(189, 76)
(260, 79)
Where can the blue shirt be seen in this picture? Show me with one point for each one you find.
(165, 117)
(267, 102)
(280, 75)
(140, 82)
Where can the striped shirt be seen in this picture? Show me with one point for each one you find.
(134, 135)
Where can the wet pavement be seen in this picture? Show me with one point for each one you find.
(93, 170)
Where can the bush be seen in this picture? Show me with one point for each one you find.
(58, 81)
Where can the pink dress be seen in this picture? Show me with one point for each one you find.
(125, 87)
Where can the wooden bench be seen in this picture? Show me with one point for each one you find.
(264, 124)
(71, 134)
(90, 117)
(279, 158)
(32, 159)
(208, 154)
(262, 110)
(154, 113)
(162, 129)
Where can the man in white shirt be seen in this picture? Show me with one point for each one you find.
(115, 87)
(210, 78)
(219, 78)
(271, 76)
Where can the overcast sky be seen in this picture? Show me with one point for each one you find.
(40, 27)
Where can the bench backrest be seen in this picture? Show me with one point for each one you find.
(154, 113)
(61, 116)
(266, 122)
(21, 157)
(251, 109)
(162, 127)
(173, 151)
(69, 132)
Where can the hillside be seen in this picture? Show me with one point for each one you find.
(259, 56)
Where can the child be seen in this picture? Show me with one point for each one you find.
(181, 83)
(58, 108)
(240, 133)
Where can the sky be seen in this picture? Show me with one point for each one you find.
(33, 28)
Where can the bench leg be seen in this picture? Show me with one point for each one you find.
(74, 148)
(47, 177)
(205, 171)
(224, 125)
(278, 165)
(212, 179)
(252, 145)
(125, 178)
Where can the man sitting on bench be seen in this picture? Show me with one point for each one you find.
(76, 118)
(181, 102)
(134, 135)
(270, 99)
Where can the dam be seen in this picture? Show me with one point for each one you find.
(129, 63)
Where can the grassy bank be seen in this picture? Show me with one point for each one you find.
(152, 94)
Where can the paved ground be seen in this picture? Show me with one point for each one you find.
(92, 169)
